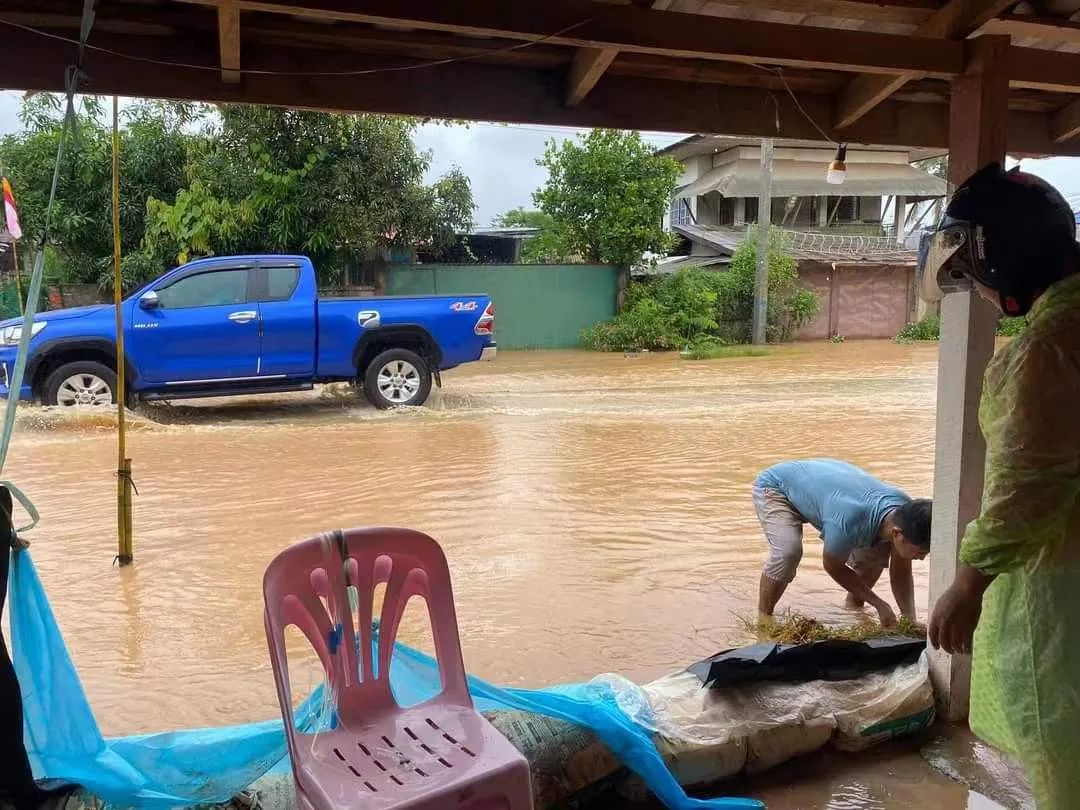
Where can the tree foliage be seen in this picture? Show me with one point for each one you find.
(547, 246)
(606, 193)
(153, 154)
(197, 181)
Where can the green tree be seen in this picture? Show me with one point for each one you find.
(276, 180)
(607, 193)
(547, 246)
(153, 153)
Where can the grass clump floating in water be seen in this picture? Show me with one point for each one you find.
(795, 628)
(717, 351)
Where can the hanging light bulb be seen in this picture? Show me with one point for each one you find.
(837, 168)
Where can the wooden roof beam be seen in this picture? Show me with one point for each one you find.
(1050, 29)
(229, 40)
(1065, 123)
(587, 24)
(909, 12)
(590, 63)
(955, 20)
(479, 92)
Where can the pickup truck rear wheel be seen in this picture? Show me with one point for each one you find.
(397, 377)
(80, 384)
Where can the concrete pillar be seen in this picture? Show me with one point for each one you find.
(822, 213)
(899, 216)
(976, 137)
(739, 215)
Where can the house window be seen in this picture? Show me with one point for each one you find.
(680, 212)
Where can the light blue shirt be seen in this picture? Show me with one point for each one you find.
(844, 503)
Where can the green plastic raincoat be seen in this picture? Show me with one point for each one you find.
(1025, 695)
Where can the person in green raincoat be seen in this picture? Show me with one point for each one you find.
(1015, 602)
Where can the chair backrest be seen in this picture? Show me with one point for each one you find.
(307, 585)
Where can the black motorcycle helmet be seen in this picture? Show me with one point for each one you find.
(1010, 231)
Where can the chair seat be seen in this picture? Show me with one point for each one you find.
(428, 753)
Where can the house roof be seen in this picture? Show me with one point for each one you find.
(704, 144)
(807, 246)
(798, 178)
(502, 232)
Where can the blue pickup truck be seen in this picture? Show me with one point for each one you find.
(243, 325)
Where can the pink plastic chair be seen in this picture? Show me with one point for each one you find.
(439, 754)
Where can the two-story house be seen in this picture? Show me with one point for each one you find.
(861, 266)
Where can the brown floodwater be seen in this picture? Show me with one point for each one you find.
(595, 510)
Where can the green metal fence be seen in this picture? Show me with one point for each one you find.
(9, 301)
(537, 306)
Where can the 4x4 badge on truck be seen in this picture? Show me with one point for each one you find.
(463, 306)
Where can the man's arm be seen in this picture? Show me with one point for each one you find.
(837, 568)
(903, 586)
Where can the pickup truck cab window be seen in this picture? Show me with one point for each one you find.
(213, 288)
(275, 283)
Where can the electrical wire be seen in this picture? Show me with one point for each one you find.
(779, 73)
(300, 73)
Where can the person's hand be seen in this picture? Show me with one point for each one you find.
(957, 612)
(886, 615)
(19, 543)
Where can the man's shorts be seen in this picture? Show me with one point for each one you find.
(783, 527)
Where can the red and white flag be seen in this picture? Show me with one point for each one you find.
(10, 214)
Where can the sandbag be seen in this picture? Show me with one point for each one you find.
(570, 766)
(708, 735)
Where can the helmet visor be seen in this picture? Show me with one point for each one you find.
(947, 261)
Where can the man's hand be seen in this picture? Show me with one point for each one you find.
(886, 615)
(956, 614)
(19, 543)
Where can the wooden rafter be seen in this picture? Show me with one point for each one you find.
(910, 13)
(1065, 123)
(585, 71)
(229, 40)
(1048, 29)
(955, 20)
(583, 23)
(590, 63)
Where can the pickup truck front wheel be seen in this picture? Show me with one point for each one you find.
(81, 384)
(397, 377)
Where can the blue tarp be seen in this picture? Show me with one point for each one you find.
(213, 765)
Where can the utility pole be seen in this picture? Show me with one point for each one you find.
(761, 278)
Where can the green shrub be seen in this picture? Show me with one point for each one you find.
(1011, 327)
(929, 328)
(694, 306)
(644, 325)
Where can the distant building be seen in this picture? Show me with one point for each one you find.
(861, 267)
(497, 245)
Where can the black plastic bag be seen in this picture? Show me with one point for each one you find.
(818, 661)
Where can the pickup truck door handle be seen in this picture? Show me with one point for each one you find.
(244, 316)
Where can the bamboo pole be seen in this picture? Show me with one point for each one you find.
(125, 554)
(18, 277)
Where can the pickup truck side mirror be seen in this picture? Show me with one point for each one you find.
(149, 300)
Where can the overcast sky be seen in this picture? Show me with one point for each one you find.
(501, 160)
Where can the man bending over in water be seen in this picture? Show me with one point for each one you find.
(865, 525)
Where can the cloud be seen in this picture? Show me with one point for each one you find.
(499, 160)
